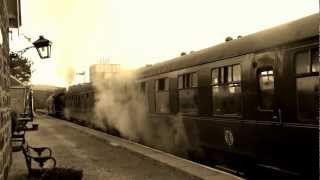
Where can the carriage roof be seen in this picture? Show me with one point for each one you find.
(81, 88)
(294, 31)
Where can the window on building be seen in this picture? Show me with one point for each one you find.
(266, 88)
(307, 84)
(226, 90)
(188, 80)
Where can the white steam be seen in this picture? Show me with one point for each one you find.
(121, 106)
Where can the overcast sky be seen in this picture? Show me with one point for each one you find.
(138, 32)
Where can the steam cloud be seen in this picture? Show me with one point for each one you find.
(69, 75)
(120, 105)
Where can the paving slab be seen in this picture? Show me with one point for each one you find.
(102, 156)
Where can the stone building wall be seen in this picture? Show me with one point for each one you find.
(5, 123)
(18, 99)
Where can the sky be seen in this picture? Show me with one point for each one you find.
(136, 33)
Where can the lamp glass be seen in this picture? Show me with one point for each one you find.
(44, 52)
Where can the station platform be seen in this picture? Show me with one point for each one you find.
(103, 156)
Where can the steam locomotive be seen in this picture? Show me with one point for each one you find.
(250, 102)
(56, 103)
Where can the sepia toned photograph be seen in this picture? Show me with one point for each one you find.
(159, 90)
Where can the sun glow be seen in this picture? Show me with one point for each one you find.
(135, 33)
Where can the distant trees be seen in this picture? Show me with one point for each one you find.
(20, 67)
(229, 38)
(183, 54)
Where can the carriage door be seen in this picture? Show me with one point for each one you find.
(264, 71)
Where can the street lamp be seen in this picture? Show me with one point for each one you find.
(43, 47)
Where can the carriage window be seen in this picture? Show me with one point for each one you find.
(222, 71)
(166, 84)
(236, 73)
(180, 82)
(226, 90)
(194, 80)
(315, 60)
(188, 94)
(162, 100)
(188, 80)
(162, 84)
(266, 86)
(230, 74)
(218, 75)
(143, 87)
(71, 100)
(215, 76)
(307, 84)
(302, 62)
(75, 100)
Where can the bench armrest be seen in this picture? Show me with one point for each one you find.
(42, 160)
(40, 150)
(37, 157)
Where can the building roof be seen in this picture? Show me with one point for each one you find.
(81, 88)
(14, 13)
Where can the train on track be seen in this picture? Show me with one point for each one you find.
(56, 103)
(250, 102)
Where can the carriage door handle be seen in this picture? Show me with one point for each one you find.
(280, 115)
(275, 117)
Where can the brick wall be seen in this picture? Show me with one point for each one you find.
(17, 99)
(5, 123)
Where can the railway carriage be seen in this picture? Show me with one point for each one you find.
(247, 103)
(80, 103)
(251, 101)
